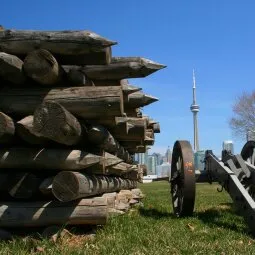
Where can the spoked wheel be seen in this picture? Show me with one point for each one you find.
(183, 182)
(248, 154)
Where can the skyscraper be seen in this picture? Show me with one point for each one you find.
(195, 109)
(168, 155)
(228, 145)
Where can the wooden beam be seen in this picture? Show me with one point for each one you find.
(120, 68)
(86, 102)
(21, 42)
(55, 159)
(34, 214)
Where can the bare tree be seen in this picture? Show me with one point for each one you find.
(243, 120)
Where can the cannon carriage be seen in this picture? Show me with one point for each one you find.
(234, 173)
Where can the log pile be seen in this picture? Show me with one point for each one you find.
(70, 124)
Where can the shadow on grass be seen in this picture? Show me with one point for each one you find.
(222, 217)
(154, 213)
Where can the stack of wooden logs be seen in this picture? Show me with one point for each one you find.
(70, 124)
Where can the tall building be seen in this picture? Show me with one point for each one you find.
(195, 109)
(168, 155)
(142, 158)
(158, 157)
(164, 170)
(228, 145)
(151, 165)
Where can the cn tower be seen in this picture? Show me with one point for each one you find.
(195, 109)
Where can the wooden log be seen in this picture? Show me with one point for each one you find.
(120, 68)
(23, 185)
(156, 127)
(78, 78)
(46, 186)
(68, 186)
(118, 82)
(110, 199)
(25, 130)
(138, 149)
(11, 68)
(7, 129)
(42, 67)
(138, 99)
(53, 121)
(136, 128)
(131, 144)
(129, 89)
(55, 159)
(86, 102)
(101, 137)
(148, 141)
(119, 169)
(101, 56)
(21, 42)
(133, 112)
(86, 211)
(149, 133)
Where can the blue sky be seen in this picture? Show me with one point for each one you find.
(217, 38)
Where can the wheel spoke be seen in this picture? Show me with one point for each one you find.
(182, 181)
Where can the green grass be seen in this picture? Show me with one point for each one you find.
(215, 228)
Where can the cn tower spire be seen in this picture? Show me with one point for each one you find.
(195, 109)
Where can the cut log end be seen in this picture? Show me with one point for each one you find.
(65, 186)
(7, 129)
(53, 121)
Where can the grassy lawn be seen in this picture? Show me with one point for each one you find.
(215, 228)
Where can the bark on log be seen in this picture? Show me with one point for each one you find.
(85, 102)
(68, 186)
(11, 68)
(53, 121)
(55, 159)
(86, 211)
(7, 129)
(25, 130)
(101, 56)
(21, 42)
(42, 67)
(120, 68)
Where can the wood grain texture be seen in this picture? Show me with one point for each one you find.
(21, 42)
(11, 69)
(82, 212)
(86, 102)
